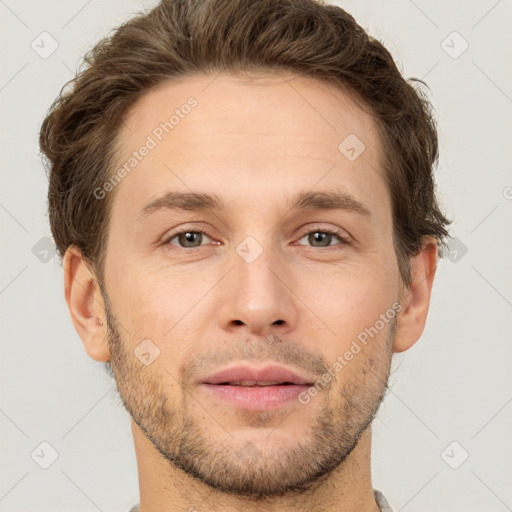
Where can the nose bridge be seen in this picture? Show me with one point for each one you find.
(255, 295)
(255, 267)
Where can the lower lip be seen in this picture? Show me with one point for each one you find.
(257, 398)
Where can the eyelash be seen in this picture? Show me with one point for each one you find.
(338, 233)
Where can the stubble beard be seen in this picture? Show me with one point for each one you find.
(235, 466)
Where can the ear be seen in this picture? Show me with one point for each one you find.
(85, 303)
(416, 298)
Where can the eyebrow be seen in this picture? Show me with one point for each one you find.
(301, 201)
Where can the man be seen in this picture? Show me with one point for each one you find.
(243, 196)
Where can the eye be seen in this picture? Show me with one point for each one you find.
(324, 237)
(187, 239)
(191, 239)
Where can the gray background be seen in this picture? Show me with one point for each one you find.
(453, 386)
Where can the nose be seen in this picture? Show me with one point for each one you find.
(257, 296)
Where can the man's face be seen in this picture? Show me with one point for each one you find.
(255, 284)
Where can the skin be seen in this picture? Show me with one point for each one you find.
(255, 143)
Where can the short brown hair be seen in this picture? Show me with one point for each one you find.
(180, 38)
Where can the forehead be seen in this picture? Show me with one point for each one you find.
(248, 136)
(263, 103)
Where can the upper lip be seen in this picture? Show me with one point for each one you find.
(269, 373)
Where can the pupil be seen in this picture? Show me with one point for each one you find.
(189, 238)
(323, 238)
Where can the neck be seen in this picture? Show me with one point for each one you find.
(163, 486)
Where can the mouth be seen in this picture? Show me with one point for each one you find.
(250, 388)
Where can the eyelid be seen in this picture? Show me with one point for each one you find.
(165, 240)
(343, 236)
(339, 232)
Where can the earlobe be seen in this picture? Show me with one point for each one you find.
(85, 303)
(415, 302)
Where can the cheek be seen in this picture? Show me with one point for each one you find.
(348, 301)
(145, 303)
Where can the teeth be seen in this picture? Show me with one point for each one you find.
(254, 382)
